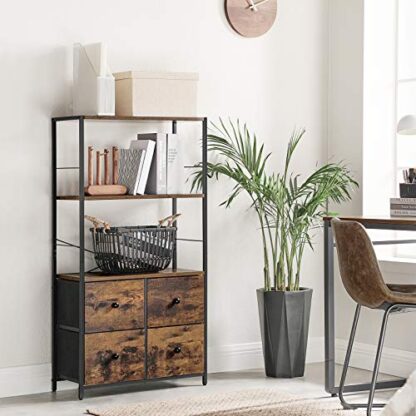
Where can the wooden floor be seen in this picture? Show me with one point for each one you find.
(65, 403)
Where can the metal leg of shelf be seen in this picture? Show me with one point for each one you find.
(205, 238)
(81, 392)
(174, 212)
(81, 374)
(54, 258)
(175, 248)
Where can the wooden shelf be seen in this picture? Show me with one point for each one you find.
(123, 197)
(131, 118)
(100, 277)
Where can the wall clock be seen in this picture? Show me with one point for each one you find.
(251, 18)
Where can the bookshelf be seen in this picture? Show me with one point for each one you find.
(76, 333)
(121, 197)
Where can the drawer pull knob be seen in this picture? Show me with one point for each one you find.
(115, 305)
(176, 301)
(177, 350)
(115, 356)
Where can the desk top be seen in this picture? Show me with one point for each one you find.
(378, 220)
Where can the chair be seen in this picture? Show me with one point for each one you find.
(363, 280)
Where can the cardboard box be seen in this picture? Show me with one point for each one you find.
(156, 94)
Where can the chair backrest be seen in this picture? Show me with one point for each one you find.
(359, 268)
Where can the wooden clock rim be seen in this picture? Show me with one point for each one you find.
(238, 31)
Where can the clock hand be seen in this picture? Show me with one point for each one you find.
(254, 5)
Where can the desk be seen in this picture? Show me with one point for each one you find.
(377, 223)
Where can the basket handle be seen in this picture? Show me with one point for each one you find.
(170, 220)
(97, 222)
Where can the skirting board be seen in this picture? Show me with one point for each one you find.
(17, 381)
(32, 379)
(394, 362)
(250, 355)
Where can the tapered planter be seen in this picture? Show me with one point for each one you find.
(284, 325)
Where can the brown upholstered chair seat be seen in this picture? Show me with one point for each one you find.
(402, 293)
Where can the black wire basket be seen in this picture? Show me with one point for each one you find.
(129, 250)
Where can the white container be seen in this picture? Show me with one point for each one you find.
(94, 89)
(156, 94)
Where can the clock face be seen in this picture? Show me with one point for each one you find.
(251, 18)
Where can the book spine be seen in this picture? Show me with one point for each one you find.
(408, 201)
(173, 165)
(161, 168)
(409, 207)
(157, 176)
(402, 213)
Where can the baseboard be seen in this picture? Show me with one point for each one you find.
(32, 379)
(246, 356)
(17, 381)
(395, 362)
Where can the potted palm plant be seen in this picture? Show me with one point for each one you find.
(288, 210)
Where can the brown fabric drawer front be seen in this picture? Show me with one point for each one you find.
(111, 357)
(175, 351)
(113, 306)
(175, 301)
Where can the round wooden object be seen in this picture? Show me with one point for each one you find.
(250, 23)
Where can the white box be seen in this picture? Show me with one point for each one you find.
(156, 94)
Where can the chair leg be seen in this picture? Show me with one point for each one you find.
(346, 405)
(377, 360)
(369, 405)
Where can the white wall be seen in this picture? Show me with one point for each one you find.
(345, 115)
(274, 83)
(362, 124)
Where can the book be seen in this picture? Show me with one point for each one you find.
(167, 171)
(402, 213)
(408, 201)
(408, 207)
(175, 168)
(148, 146)
(130, 168)
(157, 179)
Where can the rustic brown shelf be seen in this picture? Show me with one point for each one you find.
(100, 277)
(117, 197)
(131, 118)
(143, 118)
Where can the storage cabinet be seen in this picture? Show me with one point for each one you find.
(118, 329)
(143, 328)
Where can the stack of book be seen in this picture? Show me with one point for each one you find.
(403, 207)
(152, 165)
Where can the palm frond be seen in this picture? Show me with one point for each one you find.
(288, 209)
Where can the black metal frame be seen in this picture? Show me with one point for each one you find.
(81, 197)
(391, 308)
(329, 245)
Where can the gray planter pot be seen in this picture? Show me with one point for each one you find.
(284, 325)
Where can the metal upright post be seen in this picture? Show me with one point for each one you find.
(205, 237)
(329, 310)
(81, 292)
(174, 212)
(54, 257)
